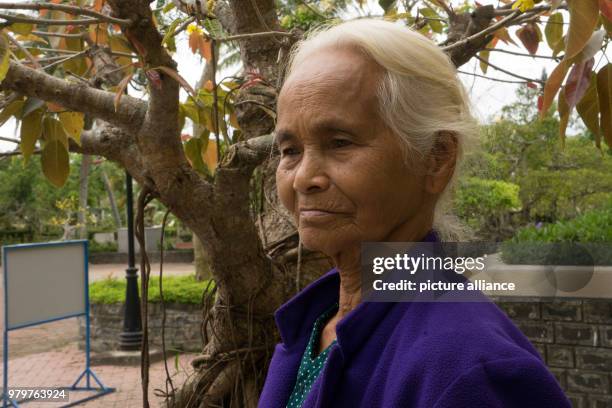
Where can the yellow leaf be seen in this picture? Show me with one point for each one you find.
(99, 33)
(31, 129)
(484, 61)
(233, 119)
(5, 54)
(554, 30)
(583, 19)
(523, 5)
(21, 28)
(13, 109)
(210, 157)
(604, 93)
(119, 44)
(53, 130)
(553, 84)
(55, 162)
(503, 35)
(73, 123)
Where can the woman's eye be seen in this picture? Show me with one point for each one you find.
(289, 151)
(340, 142)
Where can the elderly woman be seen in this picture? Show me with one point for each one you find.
(372, 121)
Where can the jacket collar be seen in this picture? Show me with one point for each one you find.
(295, 318)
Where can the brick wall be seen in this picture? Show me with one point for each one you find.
(575, 339)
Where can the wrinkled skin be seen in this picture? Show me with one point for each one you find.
(338, 156)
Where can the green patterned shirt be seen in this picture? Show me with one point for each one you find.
(311, 366)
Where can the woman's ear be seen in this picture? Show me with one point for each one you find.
(441, 162)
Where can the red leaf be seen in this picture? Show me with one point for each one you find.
(194, 41)
(578, 82)
(606, 8)
(528, 35)
(532, 85)
(154, 78)
(540, 103)
(175, 75)
(205, 47)
(137, 44)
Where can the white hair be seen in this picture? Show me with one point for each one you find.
(420, 97)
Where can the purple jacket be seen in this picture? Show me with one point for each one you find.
(410, 354)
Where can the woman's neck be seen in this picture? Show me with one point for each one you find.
(348, 264)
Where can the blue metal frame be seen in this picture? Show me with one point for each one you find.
(87, 372)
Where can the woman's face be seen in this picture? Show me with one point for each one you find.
(341, 172)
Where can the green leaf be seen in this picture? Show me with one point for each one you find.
(31, 129)
(588, 109)
(5, 54)
(386, 4)
(194, 148)
(564, 112)
(168, 7)
(554, 30)
(191, 110)
(73, 123)
(604, 93)
(55, 162)
(171, 28)
(435, 25)
(181, 117)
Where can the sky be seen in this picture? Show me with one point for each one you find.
(487, 96)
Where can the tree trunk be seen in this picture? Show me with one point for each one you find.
(111, 199)
(202, 267)
(83, 188)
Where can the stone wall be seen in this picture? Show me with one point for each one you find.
(575, 339)
(182, 327)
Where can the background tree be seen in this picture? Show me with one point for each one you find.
(548, 180)
(64, 62)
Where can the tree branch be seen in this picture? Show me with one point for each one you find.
(76, 96)
(114, 144)
(41, 21)
(74, 10)
(9, 139)
(492, 79)
(508, 72)
(481, 34)
(521, 54)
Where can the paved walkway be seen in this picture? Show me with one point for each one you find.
(61, 367)
(47, 355)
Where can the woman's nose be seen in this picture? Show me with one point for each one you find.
(310, 175)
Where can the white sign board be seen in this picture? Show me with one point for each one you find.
(44, 282)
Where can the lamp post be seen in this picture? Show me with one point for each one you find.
(131, 337)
